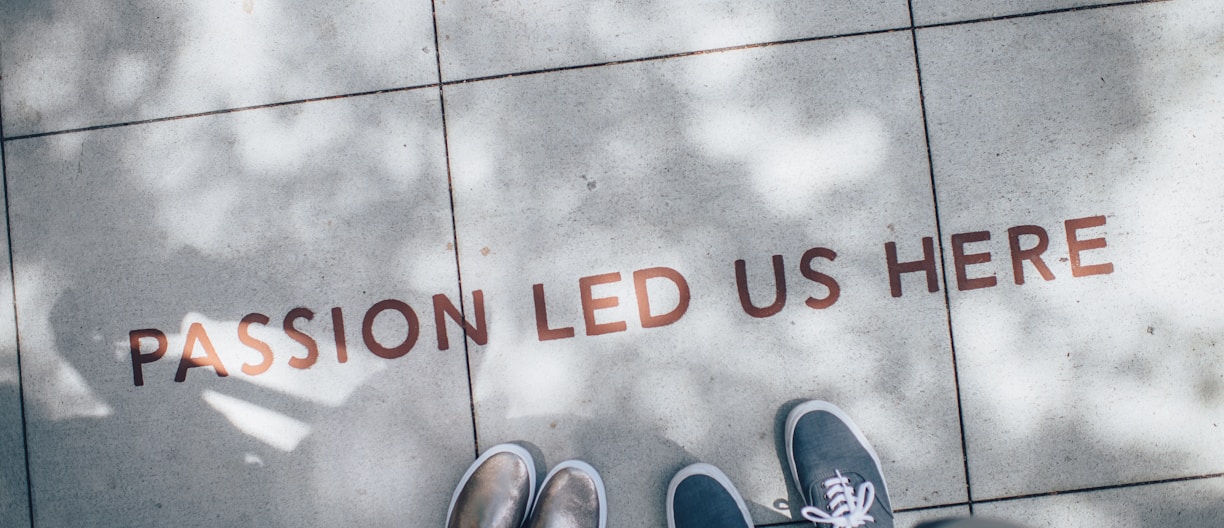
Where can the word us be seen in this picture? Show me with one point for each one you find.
(1026, 243)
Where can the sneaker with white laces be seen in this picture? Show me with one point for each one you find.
(701, 496)
(835, 469)
(496, 491)
(572, 496)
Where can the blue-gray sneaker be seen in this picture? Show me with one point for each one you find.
(835, 469)
(701, 496)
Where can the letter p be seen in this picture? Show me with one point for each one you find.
(139, 359)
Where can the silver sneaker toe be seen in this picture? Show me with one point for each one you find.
(496, 491)
(572, 496)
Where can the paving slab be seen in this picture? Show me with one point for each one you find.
(1187, 503)
(480, 39)
(944, 11)
(171, 235)
(601, 214)
(911, 519)
(14, 490)
(1095, 135)
(73, 64)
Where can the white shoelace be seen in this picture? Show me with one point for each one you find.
(847, 506)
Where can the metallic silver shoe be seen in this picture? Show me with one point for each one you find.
(496, 491)
(572, 496)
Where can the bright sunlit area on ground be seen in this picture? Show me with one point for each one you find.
(275, 264)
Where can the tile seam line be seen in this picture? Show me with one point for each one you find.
(1037, 13)
(677, 55)
(1035, 495)
(450, 191)
(943, 271)
(1100, 488)
(8, 228)
(218, 112)
(579, 67)
(738, 47)
(437, 56)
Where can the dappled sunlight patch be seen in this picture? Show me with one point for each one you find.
(617, 27)
(1009, 405)
(678, 404)
(1165, 387)
(203, 219)
(541, 384)
(270, 427)
(1172, 275)
(130, 73)
(420, 271)
(279, 146)
(792, 171)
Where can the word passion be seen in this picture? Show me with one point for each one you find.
(1027, 243)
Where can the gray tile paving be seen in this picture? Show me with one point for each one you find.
(691, 164)
(1111, 115)
(913, 518)
(573, 181)
(171, 225)
(1198, 503)
(14, 489)
(72, 64)
(507, 36)
(942, 11)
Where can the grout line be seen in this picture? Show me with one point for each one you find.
(1010, 498)
(1101, 488)
(911, 27)
(217, 112)
(932, 507)
(652, 58)
(1034, 13)
(667, 56)
(8, 227)
(450, 188)
(926, 136)
(438, 58)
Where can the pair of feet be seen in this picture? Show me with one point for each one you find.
(834, 468)
(499, 491)
(832, 465)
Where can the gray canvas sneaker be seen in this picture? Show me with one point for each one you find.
(572, 496)
(496, 491)
(701, 496)
(835, 469)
